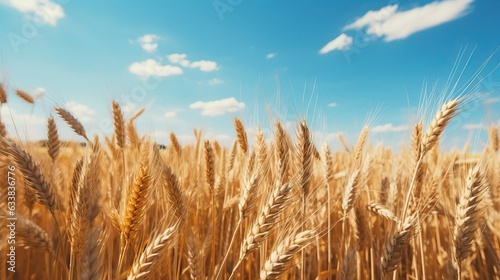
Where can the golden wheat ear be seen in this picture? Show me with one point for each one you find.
(119, 124)
(53, 139)
(72, 122)
(25, 96)
(467, 216)
(279, 261)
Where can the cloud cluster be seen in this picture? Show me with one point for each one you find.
(391, 23)
(42, 10)
(389, 127)
(149, 42)
(151, 67)
(218, 107)
(342, 42)
(202, 65)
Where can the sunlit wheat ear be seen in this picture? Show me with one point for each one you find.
(34, 178)
(209, 166)
(282, 150)
(232, 155)
(119, 124)
(241, 135)
(133, 136)
(416, 142)
(137, 200)
(260, 145)
(175, 143)
(25, 96)
(72, 122)
(3, 94)
(382, 211)
(493, 133)
(174, 193)
(396, 245)
(351, 191)
(193, 257)
(438, 124)
(53, 139)
(267, 219)
(279, 261)
(144, 265)
(467, 214)
(248, 195)
(305, 155)
(358, 150)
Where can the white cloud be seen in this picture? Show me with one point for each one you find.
(342, 42)
(179, 58)
(389, 128)
(81, 111)
(149, 42)
(39, 92)
(218, 107)
(270, 55)
(151, 67)
(473, 126)
(215, 81)
(43, 11)
(8, 114)
(491, 100)
(202, 65)
(332, 104)
(392, 24)
(170, 114)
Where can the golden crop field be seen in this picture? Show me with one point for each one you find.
(282, 208)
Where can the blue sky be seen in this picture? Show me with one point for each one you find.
(341, 64)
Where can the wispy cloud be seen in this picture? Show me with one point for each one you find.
(342, 42)
(151, 67)
(473, 126)
(218, 107)
(202, 65)
(44, 10)
(39, 92)
(332, 104)
(491, 100)
(170, 114)
(81, 111)
(149, 42)
(389, 127)
(215, 81)
(270, 55)
(393, 24)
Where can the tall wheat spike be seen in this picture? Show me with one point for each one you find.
(279, 260)
(467, 213)
(25, 96)
(72, 121)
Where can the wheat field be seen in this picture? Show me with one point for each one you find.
(119, 207)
